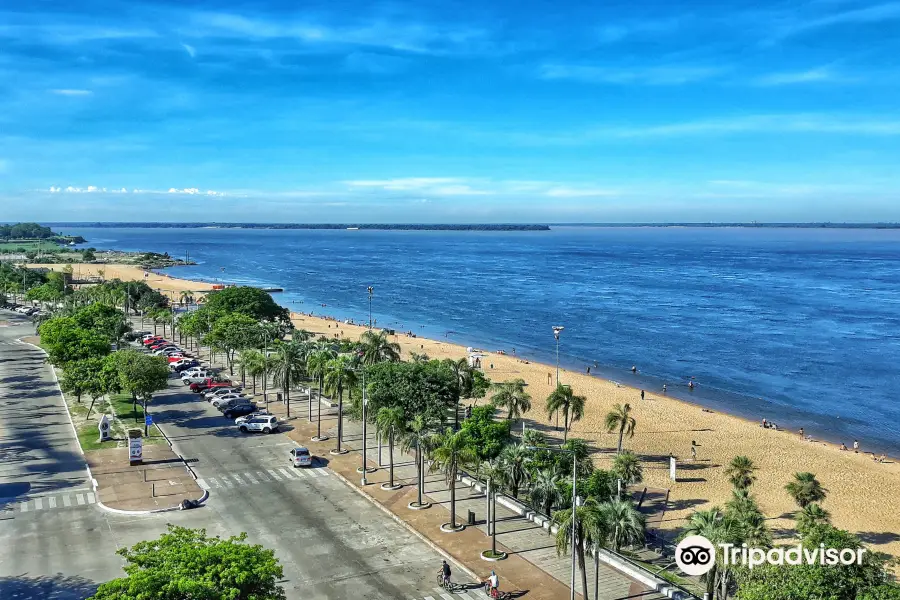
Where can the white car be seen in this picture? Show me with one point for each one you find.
(300, 457)
(196, 378)
(263, 424)
(219, 391)
(225, 398)
(167, 350)
(245, 418)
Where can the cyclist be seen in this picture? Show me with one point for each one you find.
(445, 573)
(494, 582)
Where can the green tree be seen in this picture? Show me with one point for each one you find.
(317, 367)
(76, 376)
(106, 320)
(340, 375)
(718, 527)
(249, 301)
(288, 367)
(186, 563)
(620, 419)
(488, 436)
(512, 396)
(450, 451)
(627, 467)
(88, 255)
(741, 472)
(142, 375)
(376, 348)
(812, 516)
(624, 523)
(589, 528)
(743, 508)
(514, 461)
(418, 436)
(233, 333)
(103, 380)
(65, 342)
(805, 489)
(545, 491)
(464, 375)
(390, 423)
(420, 388)
(571, 405)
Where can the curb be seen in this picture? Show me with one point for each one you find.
(408, 527)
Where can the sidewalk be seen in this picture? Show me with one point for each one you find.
(527, 544)
(162, 481)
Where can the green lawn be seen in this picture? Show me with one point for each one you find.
(132, 416)
(23, 246)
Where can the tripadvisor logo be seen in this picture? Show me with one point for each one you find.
(696, 555)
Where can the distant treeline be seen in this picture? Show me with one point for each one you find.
(400, 227)
(25, 231)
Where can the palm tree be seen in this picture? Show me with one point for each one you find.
(627, 467)
(620, 418)
(533, 437)
(587, 524)
(514, 460)
(719, 528)
(317, 367)
(377, 348)
(626, 525)
(185, 298)
(451, 450)
(416, 437)
(464, 375)
(805, 489)
(494, 475)
(812, 515)
(288, 367)
(390, 422)
(339, 374)
(545, 491)
(247, 359)
(563, 398)
(512, 396)
(741, 472)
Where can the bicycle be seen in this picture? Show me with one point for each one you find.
(447, 585)
(495, 594)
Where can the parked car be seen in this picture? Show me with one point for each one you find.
(232, 403)
(225, 398)
(300, 457)
(198, 376)
(215, 392)
(263, 424)
(247, 417)
(164, 349)
(188, 364)
(241, 410)
(208, 384)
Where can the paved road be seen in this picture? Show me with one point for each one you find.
(55, 543)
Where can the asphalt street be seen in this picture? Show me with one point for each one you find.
(56, 543)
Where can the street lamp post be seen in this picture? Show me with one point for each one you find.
(371, 291)
(556, 331)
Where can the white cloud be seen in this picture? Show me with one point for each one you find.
(93, 189)
(71, 92)
(190, 50)
(403, 183)
(819, 75)
(661, 75)
(574, 192)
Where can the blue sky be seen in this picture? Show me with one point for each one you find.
(449, 111)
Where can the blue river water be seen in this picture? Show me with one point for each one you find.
(801, 326)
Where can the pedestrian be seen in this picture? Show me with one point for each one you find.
(856, 446)
(801, 433)
(693, 450)
(633, 369)
(764, 423)
(589, 370)
(691, 385)
(549, 378)
(664, 388)
(642, 394)
(843, 446)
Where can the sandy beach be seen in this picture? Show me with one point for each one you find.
(863, 495)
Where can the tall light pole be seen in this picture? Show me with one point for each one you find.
(557, 329)
(371, 291)
(362, 468)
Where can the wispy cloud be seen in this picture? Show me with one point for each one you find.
(192, 52)
(71, 92)
(818, 75)
(775, 123)
(93, 189)
(877, 13)
(660, 75)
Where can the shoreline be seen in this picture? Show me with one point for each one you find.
(666, 424)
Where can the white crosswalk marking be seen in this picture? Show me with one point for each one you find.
(226, 483)
(38, 503)
(465, 595)
(251, 478)
(481, 594)
(443, 594)
(274, 475)
(286, 473)
(67, 501)
(90, 498)
(24, 506)
(203, 485)
(81, 499)
(237, 479)
(428, 598)
(215, 483)
(52, 501)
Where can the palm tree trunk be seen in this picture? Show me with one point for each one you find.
(596, 573)
(391, 457)
(287, 395)
(580, 550)
(90, 409)
(319, 411)
(419, 462)
(621, 435)
(340, 423)
(453, 498)
(566, 425)
(494, 522)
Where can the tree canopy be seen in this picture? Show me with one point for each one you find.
(488, 436)
(426, 389)
(25, 231)
(65, 341)
(186, 563)
(249, 301)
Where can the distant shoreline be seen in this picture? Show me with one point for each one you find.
(468, 226)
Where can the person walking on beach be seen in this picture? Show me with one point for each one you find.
(642, 394)
(693, 450)
(801, 433)
(549, 378)
(856, 446)
(664, 388)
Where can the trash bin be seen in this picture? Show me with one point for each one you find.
(471, 517)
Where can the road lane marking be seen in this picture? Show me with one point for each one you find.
(67, 502)
(440, 592)
(202, 484)
(237, 479)
(80, 498)
(274, 475)
(251, 478)
(38, 503)
(52, 501)
(90, 498)
(24, 507)
(214, 482)
(286, 473)
(263, 477)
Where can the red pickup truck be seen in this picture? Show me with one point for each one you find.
(208, 384)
